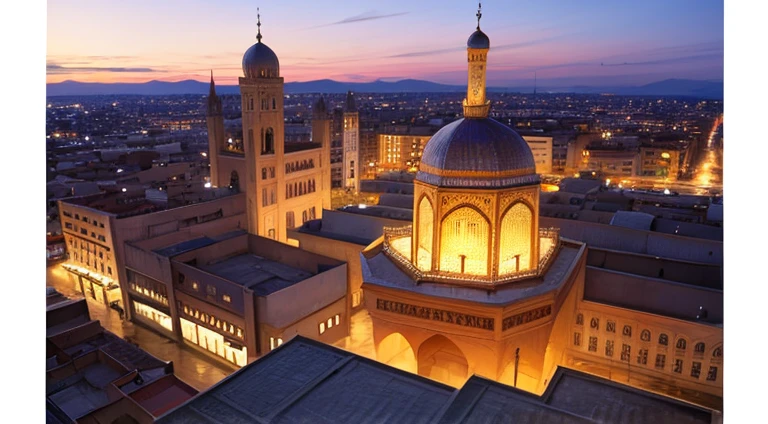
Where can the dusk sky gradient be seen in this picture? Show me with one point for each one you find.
(563, 42)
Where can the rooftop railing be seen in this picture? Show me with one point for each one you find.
(487, 281)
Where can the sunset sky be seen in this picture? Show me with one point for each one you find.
(564, 42)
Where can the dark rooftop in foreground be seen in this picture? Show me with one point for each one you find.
(307, 381)
(259, 274)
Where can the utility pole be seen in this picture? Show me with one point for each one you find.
(517, 361)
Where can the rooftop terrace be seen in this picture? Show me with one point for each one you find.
(261, 275)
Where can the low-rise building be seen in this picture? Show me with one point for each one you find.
(343, 234)
(93, 376)
(234, 295)
(96, 228)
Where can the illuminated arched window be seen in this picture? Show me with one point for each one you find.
(515, 241)
(464, 240)
(426, 224)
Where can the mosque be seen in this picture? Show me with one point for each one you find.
(476, 285)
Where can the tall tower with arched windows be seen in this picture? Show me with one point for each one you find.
(351, 167)
(284, 182)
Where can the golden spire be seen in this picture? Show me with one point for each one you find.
(475, 104)
(479, 14)
(258, 24)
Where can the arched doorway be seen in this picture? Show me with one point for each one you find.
(395, 351)
(440, 359)
(234, 181)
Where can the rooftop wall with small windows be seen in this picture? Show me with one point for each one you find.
(668, 246)
(654, 295)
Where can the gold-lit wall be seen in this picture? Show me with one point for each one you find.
(477, 232)
(279, 198)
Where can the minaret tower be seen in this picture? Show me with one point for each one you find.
(261, 91)
(351, 176)
(215, 122)
(321, 133)
(475, 104)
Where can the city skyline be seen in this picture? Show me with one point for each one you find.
(589, 43)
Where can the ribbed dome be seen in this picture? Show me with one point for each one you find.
(260, 61)
(477, 153)
(478, 40)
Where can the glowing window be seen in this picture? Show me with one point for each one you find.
(464, 241)
(194, 286)
(337, 319)
(279, 341)
(515, 244)
(426, 223)
(322, 327)
(330, 323)
(227, 298)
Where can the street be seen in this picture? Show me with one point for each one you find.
(190, 366)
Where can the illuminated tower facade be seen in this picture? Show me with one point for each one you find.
(351, 167)
(284, 183)
(225, 151)
(215, 122)
(321, 134)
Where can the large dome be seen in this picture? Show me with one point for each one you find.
(477, 153)
(260, 61)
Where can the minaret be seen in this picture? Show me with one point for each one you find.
(351, 169)
(215, 122)
(321, 133)
(475, 104)
(261, 93)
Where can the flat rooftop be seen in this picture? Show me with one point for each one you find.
(196, 243)
(256, 273)
(380, 211)
(310, 382)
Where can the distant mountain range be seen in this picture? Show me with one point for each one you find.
(670, 87)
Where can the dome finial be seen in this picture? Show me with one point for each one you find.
(258, 25)
(479, 14)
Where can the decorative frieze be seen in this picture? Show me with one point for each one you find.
(526, 317)
(506, 199)
(432, 314)
(484, 203)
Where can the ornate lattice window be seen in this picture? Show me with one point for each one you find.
(609, 348)
(642, 357)
(515, 241)
(426, 224)
(696, 369)
(663, 339)
(464, 241)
